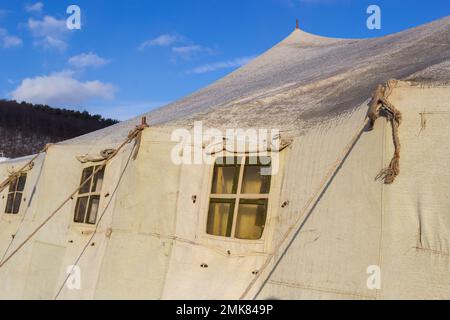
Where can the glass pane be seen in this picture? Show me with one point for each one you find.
(251, 219)
(225, 180)
(21, 182)
(13, 185)
(93, 209)
(9, 203)
(17, 201)
(98, 181)
(80, 209)
(254, 182)
(86, 174)
(220, 218)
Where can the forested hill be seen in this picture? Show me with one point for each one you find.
(26, 128)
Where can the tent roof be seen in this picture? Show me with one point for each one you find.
(303, 80)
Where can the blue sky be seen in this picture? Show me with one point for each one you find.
(132, 56)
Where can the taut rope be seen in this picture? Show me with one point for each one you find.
(136, 133)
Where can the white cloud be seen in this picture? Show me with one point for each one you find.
(49, 33)
(9, 41)
(186, 50)
(47, 26)
(50, 42)
(189, 51)
(180, 46)
(86, 60)
(163, 40)
(35, 7)
(239, 62)
(61, 89)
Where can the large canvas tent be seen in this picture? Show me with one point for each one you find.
(328, 218)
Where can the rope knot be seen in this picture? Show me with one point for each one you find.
(381, 107)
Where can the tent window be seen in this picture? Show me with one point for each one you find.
(239, 198)
(15, 194)
(88, 201)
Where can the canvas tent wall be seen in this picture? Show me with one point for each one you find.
(150, 241)
(402, 228)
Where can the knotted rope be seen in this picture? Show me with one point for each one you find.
(381, 107)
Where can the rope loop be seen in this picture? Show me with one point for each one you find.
(381, 107)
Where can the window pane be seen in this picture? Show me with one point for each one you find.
(21, 182)
(251, 219)
(80, 209)
(254, 182)
(17, 201)
(225, 180)
(93, 209)
(220, 218)
(98, 181)
(9, 203)
(86, 174)
(13, 185)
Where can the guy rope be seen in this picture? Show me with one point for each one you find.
(389, 174)
(135, 134)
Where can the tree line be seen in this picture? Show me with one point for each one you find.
(25, 128)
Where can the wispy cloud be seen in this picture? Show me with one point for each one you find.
(34, 7)
(86, 60)
(49, 33)
(163, 40)
(47, 26)
(188, 51)
(180, 46)
(238, 62)
(12, 41)
(61, 89)
(9, 41)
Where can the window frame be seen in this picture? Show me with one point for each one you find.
(237, 197)
(89, 195)
(14, 193)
